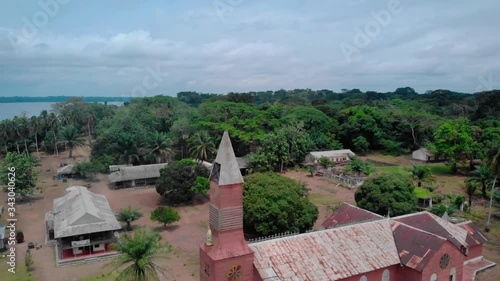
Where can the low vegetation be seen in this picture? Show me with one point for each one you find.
(165, 215)
(128, 215)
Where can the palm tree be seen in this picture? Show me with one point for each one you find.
(90, 119)
(23, 128)
(138, 255)
(127, 145)
(71, 138)
(53, 125)
(482, 176)
(35, 127)
(202, 146)
(422, 174)
(160, 147)
(4, 133)
(493, 160)
(470, 188)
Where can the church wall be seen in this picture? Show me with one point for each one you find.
(433, 266)
(474, 252)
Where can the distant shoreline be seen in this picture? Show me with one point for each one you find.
(55, 99)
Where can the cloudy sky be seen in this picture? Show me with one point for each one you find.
(148, 47)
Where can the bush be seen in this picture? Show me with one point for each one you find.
(430, 188)
(325, 162)
(165, 215)
(19, 236)
(128, 215)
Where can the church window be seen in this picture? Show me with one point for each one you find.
(234, 273)
(386, 275)
(363, 278)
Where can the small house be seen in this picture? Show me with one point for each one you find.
(67, 171)
(81, 225)
(425, 155)
(131, 176)
(114, 168)
(335, 156)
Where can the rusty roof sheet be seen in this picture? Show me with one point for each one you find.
(347, 214)
(474, 236)
(329, 254)
(436, 225)
(416, 247)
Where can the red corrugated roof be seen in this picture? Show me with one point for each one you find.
(434, 224)
(474, 236)
(415, 246)
(331, 254)
(347, 214)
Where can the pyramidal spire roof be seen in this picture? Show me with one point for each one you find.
(226, 170)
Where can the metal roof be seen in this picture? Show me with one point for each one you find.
(347, 214)
(332, 153)
(66, 170)
(436, 225)
(330, 254)
(82, 212)
(228, 169)
(416, 247)
(136, 172)
(474, 236)
(2, 231)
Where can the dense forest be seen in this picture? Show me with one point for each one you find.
(61, 99)
(272, 129)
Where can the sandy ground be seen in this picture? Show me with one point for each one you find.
(185, 236)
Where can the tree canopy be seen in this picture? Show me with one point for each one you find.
(387, 194)
(23, 173)
(274, 204)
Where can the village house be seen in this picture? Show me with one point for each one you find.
(130, 176)
(335, 156)
(67, 171)
(355, 244)
(423, 154)
(81, 226)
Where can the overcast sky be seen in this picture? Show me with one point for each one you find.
(148, 47)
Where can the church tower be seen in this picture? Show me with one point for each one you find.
(225, 255)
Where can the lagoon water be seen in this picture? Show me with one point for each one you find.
(10, 110)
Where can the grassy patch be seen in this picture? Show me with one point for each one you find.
(391, 169)
(20, 275)
(326, 188)
(421, 192)
(320, 199)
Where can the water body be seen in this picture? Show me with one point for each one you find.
(10, 110)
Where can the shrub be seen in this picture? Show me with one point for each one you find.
(165, 215)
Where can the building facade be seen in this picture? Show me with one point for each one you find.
(82, 225)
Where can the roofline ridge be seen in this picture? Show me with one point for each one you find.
(359, 208)
(421, 230)
(464, 222)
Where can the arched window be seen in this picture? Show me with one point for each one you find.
(363, 278)
(386, 276)
(453, 274)
(434, 277)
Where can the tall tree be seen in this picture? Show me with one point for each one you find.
(71, 138)
(25, 173)
(202, 146)
(483, 176)
(160, 147)
(53, 125)
(422, 174)
(35, 127)
(493, 160)
(139, 253)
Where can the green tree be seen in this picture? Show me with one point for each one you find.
(71, 139)
(493, 160)
(90, 169)
(359, 167)
(25, 174)
(202, 146)
(139, 253)
(274, 204)
(160, 147)
(202, 185)
(35, 128)
(387, 193)
(325, 162)
(422, 174)
(361, 145)
(482, 176)
(128, 215)
(177, 180)
(454, 140)
(470, 188)
(165, 215)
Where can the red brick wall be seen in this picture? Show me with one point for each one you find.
(456, 261)
(474, 252)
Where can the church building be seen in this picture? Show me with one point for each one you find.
(356, 245)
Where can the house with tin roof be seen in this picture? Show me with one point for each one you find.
(355, 244)
(81, 225)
